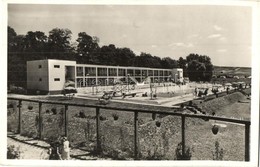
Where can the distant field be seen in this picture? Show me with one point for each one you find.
(239, 71)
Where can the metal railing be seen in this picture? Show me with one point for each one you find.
(135, 111)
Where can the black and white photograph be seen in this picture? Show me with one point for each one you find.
(133, 83)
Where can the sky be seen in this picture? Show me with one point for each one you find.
(224, 33)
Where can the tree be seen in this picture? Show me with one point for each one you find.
(124, 57)
(108, 55)
(35, 41)
(87, 46)
(199, 68)
(182, 63)
(147, 60)
(169, 63)
(59, 43)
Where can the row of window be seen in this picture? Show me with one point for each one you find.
(91, 71)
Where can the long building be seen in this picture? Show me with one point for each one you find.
(50, 75)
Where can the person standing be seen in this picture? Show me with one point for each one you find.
(65, 151)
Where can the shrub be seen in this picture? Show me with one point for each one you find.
(179, 155)
(102, 118)
(30, 107)
(158, 123)
(115, 116)
(10, 106)
(82, 114)
(54, 111)
(218, 153)
(61, 111)
(13, 153)
(47, 111)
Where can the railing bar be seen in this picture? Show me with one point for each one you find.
(40, 120)
(247, 142)
(143, 111)
(183, 134)
(98, 129)
(20, 117)
(136, 135)
(66, 120)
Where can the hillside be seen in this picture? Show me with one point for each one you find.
(239, 71)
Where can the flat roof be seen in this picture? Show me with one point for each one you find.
(106, 66)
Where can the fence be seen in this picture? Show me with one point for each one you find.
(136, 112)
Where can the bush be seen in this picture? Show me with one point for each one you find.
(158, 124)
(82, 114)
(47, 111)
(54, 111)
(30, 107)
(102, 118)
(10, 106)
(218, 153)
(115, 116)
(61, 111)
(13, 153)
(179, 155)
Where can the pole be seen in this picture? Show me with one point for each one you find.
(98, 130)
(40, 120)
(247, 140)
(183, 134)
(66, 120)
(136, 135)
(20, 117)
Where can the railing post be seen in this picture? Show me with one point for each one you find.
(247, 142)
(183, 133)
(136, 135)
(40, 120)
(66, 120)
(98, 130)
(19, 117)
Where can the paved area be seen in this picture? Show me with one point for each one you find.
(38, 149)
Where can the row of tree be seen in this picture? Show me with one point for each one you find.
(86, 50)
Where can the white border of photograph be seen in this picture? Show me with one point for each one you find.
(254, 146)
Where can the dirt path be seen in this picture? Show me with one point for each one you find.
(28, 151)
(37, 149)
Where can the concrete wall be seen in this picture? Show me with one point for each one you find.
(41, 74)
(37, 75)
(58, 73)
(179, 74)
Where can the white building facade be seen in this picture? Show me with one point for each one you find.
(49, 76)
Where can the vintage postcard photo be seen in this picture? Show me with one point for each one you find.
(109, 84)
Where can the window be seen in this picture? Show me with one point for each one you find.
(40, 79)
(80, 71)
(56, 66)
(56, 79)
(40, 66)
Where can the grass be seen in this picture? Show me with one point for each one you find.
(154, 141)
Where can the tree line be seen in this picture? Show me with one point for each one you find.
(86, 50)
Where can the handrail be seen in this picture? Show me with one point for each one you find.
(163, 110)
(155, 111)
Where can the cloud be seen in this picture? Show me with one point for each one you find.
(223, 39)
(214, 36)
(154, 46)
(218, 28)
(181, 44)
(193, 36)
(222, 50)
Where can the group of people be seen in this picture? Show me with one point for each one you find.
(59, 150)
